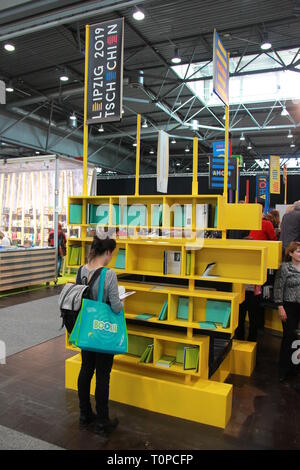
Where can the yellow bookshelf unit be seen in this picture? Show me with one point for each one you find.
(171, 311)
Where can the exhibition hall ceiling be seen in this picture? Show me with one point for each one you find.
(49, 41)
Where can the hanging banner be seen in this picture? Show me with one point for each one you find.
(220, 70)
(105, 72)
(262, 189)
(216, 173)
(274, 174)
(162, 162)
(239, 159)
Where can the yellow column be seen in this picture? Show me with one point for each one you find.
(226, 154)
(195, 167)
(138, 154)
(237, 183)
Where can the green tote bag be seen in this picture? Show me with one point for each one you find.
(98, 328)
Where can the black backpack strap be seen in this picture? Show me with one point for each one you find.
(94, 277)
(78, 277)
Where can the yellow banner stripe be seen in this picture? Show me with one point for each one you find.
(220, 80)
(222, 93)
(222, 59)
(221, 69)
(220, 45)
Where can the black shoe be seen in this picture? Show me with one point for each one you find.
(86, 419)
(107, 426)
(59, 275)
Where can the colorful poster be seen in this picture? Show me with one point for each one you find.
(262, 189)
(220, 70)
(162, 162)
(105, 72)
(274, 174)
(216, 167)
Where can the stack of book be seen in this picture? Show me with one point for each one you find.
(147, 355)
(166, 361)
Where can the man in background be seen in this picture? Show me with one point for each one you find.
(290, 226)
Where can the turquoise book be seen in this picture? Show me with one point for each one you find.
(216, 217)
(144, 316)
(217, 311)
(99, 214)
(156, 215)
(207, 325)
(115, 214)
(120, 260)
(183, 308)
(135, 215)
(178, 216)
(75, 214)
(164, 312)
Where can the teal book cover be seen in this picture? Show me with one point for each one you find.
(191, 357)
(120, 260)
(178, 216)
(164, 312)
(216, 311)
(183, 308)
(207, 325)
(144, 316)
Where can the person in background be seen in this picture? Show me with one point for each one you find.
(61, 249)
(100, 255)
(267, 231)
(287, 298)
(290, 226)
(4, 240)
(274, 217)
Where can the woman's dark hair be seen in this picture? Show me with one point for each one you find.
(100, 246)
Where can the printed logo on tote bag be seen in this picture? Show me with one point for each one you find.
(107, 326)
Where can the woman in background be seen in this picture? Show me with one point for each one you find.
(287, 298)
(61, 248)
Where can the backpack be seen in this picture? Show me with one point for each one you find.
(71, 296)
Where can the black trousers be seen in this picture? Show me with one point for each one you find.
(250, 305)
(102, 363)
(289, 335)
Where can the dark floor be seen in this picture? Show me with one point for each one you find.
(33, 400)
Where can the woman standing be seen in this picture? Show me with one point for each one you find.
(100, 255)
(287, 297)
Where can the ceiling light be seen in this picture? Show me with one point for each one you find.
(64, 78)
(242, 136)
(145, 123)
(290, 135)
(37, 152)
(138, 14)
(173, 141)
(73, 117)
(292, 145)
(284, 111)
(151, 151)
(177, 164)
(101, 128)
(9, 47)
(265, 44)
(176, 59)
(123, 111)
(134, 143)
(249, 147)
(195, 124)
(187, 169)
(187, 149)
(9, 87)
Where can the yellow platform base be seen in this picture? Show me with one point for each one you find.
(272, 320)
(204, 401)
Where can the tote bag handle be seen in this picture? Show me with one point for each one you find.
(101, 284)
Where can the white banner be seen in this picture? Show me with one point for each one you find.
(162, 162)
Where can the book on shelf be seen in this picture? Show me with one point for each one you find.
(120, 259)
(144, 316)
(172, 262)
(218, 311)
(126, 294)
(147, 355)
(207, 325)
(188, 263)
(98, 214)
(134, 215)
(166, 361)
(156, 217)
(75, 214)
(191, 357)
(183, 308)
(180, 353)
(74, 255)
(138, 344)
(164, 312)
(115, 214)
(202, 215)
(208, 270)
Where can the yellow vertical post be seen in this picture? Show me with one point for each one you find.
(195, 167)
(237, 183)
(138, 154)
(226, 153)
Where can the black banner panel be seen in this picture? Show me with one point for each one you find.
(105, 72)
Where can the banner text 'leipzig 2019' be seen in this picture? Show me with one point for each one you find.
(105, 72)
